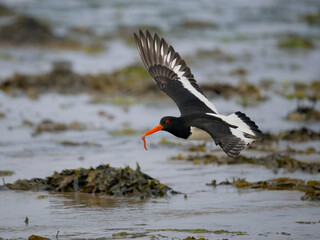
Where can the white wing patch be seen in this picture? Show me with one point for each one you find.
(185, 82)
(233, 119)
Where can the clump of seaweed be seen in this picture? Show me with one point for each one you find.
(5, 11)
(247, 94)
(273, 161)
(28, 31)
(75, 144)
(217, 54)
(127, 131)
(102, 179)
(294, 41)
(36, 237)
(298, 135)
(198, 24)
(130, 80)
(200, 230)
(53, 127)
(310, 188)
(307, 95)
(312, 18)
(303, 134)
(6, 173)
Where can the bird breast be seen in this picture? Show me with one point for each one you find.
(198, 134)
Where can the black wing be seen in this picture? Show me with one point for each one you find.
(172, 74)
(221, 132)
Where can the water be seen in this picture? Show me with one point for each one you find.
(77, 215)
(244, 29)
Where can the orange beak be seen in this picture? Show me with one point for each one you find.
(153, 130)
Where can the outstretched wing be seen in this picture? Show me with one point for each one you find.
(172, 74)
(229, 137)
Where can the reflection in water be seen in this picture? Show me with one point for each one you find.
(86, 200)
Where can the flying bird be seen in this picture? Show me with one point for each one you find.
(199, 119)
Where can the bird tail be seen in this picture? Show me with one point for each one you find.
(243, 132)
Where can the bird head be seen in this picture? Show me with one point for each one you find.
(172, 125)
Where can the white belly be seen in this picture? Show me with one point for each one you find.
(198, 134)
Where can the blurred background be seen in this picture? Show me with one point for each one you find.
(74, 93)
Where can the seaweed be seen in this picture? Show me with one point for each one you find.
(103, 179)
(312, 18)
(247, 94)
(53, 127)
(6, 173)
(197, 24)
(199, 230)
(273, 161)
(5, 11)
(310, 188)
(35, 237)
(124, 132)
(76, 144)
(119, 85)
(27, 31)
(217, 54)
(307, 96)
(294, 41)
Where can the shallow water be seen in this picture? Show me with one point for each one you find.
(244, 29)
(77, 215)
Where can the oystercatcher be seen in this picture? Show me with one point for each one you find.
(199, 118)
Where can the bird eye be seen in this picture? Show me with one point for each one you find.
(167, 121)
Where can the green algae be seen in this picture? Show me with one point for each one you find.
(103, 180)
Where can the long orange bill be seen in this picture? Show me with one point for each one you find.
(153, 130)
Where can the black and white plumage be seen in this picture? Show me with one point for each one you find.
(199, 118)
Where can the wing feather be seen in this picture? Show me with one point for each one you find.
(172, 74)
